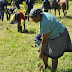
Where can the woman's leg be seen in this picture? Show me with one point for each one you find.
(45, 60)
(6, 15)
(2, 16)
(19, 27)
(17, 18)
(54, 64)
(9, 16)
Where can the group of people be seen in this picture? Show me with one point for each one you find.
(17, 15)
(5, 9)
(53, 39)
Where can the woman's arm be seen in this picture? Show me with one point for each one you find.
(44, 43)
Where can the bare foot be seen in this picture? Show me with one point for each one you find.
(42, 70)
(34, 45)
(45, 67)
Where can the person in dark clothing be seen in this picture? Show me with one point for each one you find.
(29, 4)
(9, 11)
(17, 4)
(46, 5)
(2, 5)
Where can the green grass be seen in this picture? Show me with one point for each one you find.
(17, 53)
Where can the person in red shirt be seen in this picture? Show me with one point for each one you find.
(18, 17)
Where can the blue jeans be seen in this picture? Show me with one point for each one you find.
(8, 15)
(38, 40)
(2, 15)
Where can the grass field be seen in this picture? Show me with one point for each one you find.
(17, 53)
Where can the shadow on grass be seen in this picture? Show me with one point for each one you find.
(29, 32)
(69, 70)
(69, 17)
(41, 68)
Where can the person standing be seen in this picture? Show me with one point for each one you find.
(46, 5)
(13, 4)
(17, 4)
(29, 5)
(3, 4)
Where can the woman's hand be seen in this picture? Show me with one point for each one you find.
(43, 44)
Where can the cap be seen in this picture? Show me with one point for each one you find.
(35, 12)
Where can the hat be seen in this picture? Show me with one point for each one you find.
(35, 12)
